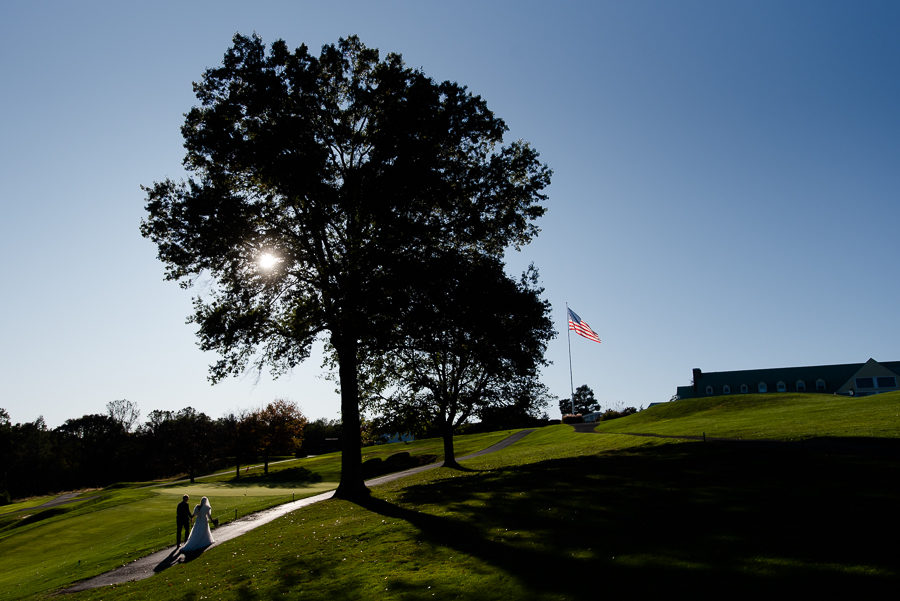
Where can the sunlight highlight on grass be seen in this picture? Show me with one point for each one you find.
(223, 489)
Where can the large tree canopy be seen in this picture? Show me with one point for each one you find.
(347, 170)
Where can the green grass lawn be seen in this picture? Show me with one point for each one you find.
(91, 537)
(57, 546)
(25, 504)
(563, 515)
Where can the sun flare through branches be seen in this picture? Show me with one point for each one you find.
(268, 261)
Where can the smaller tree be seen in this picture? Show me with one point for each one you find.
(321, 436)
(124, 412)
(281, 426)
(92, 447)
(472, 338)
(528, 401)
(160, 442)
(194, 430)
(583, 399)
(239, 435)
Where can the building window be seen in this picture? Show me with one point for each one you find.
(886, 382)
(865, 382)
(762, 387)
(726, 389)
(709, 390)
(781, 386)
(801, 386)
(820, 385)
(745, 389)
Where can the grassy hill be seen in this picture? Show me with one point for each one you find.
(807, 505)
(787, 416)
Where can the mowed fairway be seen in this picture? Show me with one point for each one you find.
(117, 528)
(108, 528)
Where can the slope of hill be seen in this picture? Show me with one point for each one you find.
(563, 515)
(768, 416)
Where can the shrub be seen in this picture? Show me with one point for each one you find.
(613, 414)
(573, 419)
(5, 499)
(398, 462)
(372, 467)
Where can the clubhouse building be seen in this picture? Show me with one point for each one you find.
(852, 379)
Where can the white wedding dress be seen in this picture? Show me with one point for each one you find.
(200, 536)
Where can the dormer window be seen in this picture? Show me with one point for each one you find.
(886, 382)
(865, 383)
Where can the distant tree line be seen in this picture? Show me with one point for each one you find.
(100, 449)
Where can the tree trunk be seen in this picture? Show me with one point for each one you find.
(237, 474)
(449, 454)
(352, 485)
(266, 461)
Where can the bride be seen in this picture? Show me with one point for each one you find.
(200, 536)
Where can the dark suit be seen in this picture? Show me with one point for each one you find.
(183, 520)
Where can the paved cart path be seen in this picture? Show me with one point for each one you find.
(159, 561)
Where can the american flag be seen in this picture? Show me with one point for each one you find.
(581, 327)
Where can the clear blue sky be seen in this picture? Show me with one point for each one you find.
(725, 192)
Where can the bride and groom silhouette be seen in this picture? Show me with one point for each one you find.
(200, 536)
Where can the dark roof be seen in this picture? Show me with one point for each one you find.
(834, 375)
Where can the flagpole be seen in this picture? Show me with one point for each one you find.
(571, 379)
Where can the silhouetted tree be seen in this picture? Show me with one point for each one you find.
(193, 430)
(240, 435)
(91, 444)
(321, 436)
(281, 429)
(345, 170)
(473, 338)
(159, 439)
(584, 401)
(124, 412)
(36, 463)
(528, 401)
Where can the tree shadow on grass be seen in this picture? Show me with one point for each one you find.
(298, 476)
(398, 462)
(701, 519)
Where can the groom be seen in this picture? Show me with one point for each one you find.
(183, 520)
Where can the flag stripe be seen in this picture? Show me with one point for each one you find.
(580, 327)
